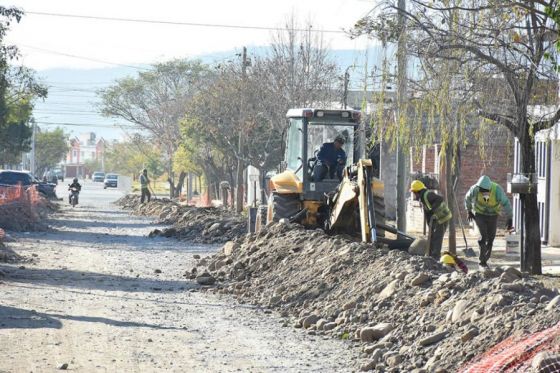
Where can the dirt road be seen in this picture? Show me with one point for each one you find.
(92, 299)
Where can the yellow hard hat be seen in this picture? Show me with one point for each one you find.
(417, 186)
(447, 259)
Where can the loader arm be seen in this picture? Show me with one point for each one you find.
(353, 202)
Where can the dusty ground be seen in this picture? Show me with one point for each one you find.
(92, 299)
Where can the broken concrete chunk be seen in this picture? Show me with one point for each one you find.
(229, 248)
(373, 333)
(553, 303)
(420, 279)
(310, 320)
(389, 289)
(459, 310)
(205, 279)
(434, 338)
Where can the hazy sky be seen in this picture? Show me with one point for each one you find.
(42, 38)
(48, 42)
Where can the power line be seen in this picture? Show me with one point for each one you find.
(81, 57)
(177, 23)
(98, 125)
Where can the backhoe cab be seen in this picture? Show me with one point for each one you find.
(337, 205)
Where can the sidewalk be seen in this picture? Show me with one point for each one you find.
(550, 255)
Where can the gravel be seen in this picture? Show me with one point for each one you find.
(188, 223)
(336, 287)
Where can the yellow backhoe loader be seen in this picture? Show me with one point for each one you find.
(353, 205)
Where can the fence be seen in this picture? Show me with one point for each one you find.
(12, 194)
(19, 207)
(518, 354)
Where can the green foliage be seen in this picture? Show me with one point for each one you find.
(156, 100)
(50, 149)
(93, 165)
(553, 11)
(18, 90)
(131, 156)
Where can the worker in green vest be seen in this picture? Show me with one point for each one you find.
(144, 186)
(484, 202)
(437, 215)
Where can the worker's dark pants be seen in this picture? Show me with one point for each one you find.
(437, 231)
(487, 225)
(321, 170)
(145, 193)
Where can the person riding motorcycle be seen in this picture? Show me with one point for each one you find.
(74, 188)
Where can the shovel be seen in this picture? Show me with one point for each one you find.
(467, 251)
(154, 197)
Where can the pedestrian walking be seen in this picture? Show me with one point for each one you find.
(484, 202)
(145, 186)
(437, 215)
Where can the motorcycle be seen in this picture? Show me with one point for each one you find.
(74, 192)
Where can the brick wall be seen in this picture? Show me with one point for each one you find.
(495, 162)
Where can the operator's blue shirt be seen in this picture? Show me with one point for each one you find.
(329, 155)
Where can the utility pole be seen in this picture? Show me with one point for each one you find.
(32, 160)
(401, 117)
(345, 88)
(239, 178)
(364, 108)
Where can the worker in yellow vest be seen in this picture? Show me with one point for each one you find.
(437, 215)
(484, 202)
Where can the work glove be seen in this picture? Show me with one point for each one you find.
(509, 224)
(470, 216)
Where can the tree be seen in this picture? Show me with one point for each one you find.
(129, 157)
(50, 149)
(499, 48)
(245, 102)
(18, 90)
(156, 101)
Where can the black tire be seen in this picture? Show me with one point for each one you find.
(284, 206)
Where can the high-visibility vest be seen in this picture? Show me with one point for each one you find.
(441, 213)
(143, 181)
(492, 207)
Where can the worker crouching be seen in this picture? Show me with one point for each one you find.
(437, 215)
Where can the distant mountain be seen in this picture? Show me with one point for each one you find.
(72, 102)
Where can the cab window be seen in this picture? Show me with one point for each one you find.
(295, 146)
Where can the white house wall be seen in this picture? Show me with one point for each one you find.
(554, 216)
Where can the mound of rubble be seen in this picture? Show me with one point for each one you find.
(21, 217)
(405, 312)
(189, 223)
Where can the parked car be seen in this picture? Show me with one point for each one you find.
(13, 178)
(59, 174)
(50, 177)
(98, 176)
(111, 181)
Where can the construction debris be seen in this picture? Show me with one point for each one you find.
(406, 312)
(20, 216)
(189, 223)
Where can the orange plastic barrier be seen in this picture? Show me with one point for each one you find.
(10, 194)
(516, 355)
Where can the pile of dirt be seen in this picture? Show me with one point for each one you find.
(7, 255)
(189, 223)
(405, 312)
(21, 217)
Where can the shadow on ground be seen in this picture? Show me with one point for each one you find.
(92, 280)
(18, 318)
